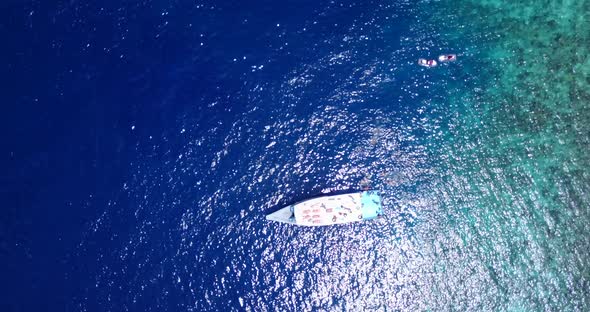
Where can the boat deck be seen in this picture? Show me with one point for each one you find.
(329, 210)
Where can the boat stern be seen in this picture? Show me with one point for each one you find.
(371, 205)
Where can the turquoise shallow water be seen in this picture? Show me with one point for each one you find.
(507, 217)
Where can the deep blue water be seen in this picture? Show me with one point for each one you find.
(143, 143)
(103, 101)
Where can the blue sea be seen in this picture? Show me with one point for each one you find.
(143, 143)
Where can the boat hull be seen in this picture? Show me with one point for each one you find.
(330, 210)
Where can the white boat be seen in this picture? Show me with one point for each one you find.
(447, 58)
(427, 63)
(334, 209)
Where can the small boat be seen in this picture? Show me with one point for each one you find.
(427, 63)
(328, 210)
(447, 58)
